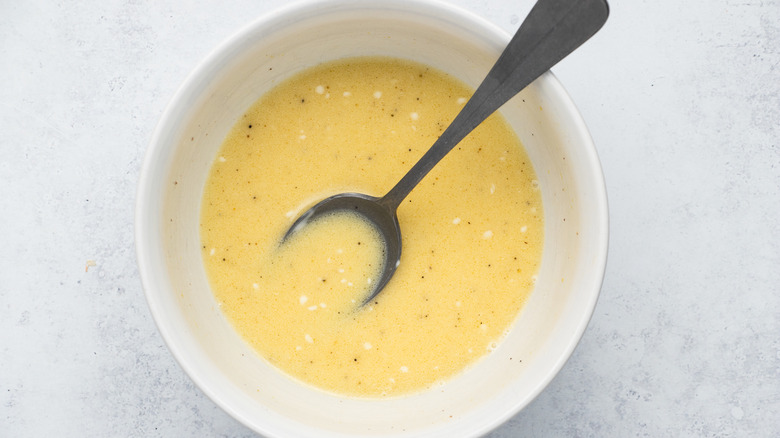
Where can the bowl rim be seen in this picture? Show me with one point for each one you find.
(156, 148)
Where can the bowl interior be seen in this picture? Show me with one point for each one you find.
(234, 77)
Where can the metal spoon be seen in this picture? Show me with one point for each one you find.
(552, 30)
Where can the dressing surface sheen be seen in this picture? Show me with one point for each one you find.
(472, 230)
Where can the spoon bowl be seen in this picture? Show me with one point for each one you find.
(378, 213)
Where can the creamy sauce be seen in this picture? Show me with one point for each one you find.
(472, 230)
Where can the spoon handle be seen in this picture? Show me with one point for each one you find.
(551, 31)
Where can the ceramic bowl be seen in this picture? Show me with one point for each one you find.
(233, 77)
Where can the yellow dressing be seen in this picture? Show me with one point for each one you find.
(472, 230)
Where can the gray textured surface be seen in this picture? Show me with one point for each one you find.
(682, 99)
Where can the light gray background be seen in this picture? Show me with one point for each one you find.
(682, 99)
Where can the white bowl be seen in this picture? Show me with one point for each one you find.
(219, 91)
